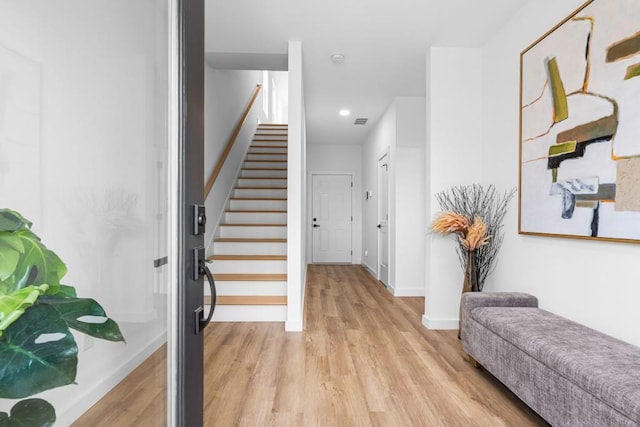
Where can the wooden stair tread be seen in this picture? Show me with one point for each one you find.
(249, 240)
(258, 198)
(260, 188)
(250, 211)
(248, 257)
(284, 146)
(266, 161)
(250, 277)
(264, 169)
(269, 140)
(248, 300)
(245, 187)
(281, 153)
(253, 225)
(268, 146)
(252, 177)
(274, 124)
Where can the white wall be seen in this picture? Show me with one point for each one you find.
(453, 157)
(296, 186)
(402, 131)
(281, 104)
(410, 196)
(594, 283)
(337, 159)
(227, 94)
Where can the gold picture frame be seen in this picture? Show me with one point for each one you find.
(579, 163)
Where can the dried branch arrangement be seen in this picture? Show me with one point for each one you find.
(479, 211)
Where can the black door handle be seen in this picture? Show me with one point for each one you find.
(379, 225)
(199, 269)
(316, 225)
(202, 323)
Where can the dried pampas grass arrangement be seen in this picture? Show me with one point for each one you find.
(474, 213)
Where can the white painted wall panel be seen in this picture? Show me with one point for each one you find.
(454, 106)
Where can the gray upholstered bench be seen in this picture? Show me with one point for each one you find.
(569, 374)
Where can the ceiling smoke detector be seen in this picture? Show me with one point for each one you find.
(337, 58)
(360, 121)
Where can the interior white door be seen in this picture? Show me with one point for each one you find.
(331, 220)
(383, 219)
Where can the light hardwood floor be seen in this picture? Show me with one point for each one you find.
(364, 359)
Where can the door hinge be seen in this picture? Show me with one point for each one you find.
(351, 252)
(351, 184)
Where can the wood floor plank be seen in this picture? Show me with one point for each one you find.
(364, 359)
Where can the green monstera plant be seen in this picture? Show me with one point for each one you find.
(38, 352)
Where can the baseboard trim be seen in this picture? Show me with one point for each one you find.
(390, 289)
(370, 270)
(409, 292)
(442, 324)
(105, 385)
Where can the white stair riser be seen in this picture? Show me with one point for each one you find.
(261, 182)
(258, 164)
(263, 173)
(276, 134)
(256, 218)
(253, 248)
(279, 157)
(260, 193)
(249, 288)
(271, 135)
(253, 232)
(272, 129)
(259, 205)
(249, 267)
(268, 150)
(271, 143)
(249, 313)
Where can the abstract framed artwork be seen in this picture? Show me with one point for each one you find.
(580, 126)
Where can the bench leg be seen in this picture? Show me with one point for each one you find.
(474, 362)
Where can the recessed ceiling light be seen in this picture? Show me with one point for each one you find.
(337, 58)
(345, 113)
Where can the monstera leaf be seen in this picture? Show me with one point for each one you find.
(86, 316)
(11, 248)
(13, 221)
(13, 306)
(29, 412)
(38, 353)
(24, 259)
(43, 266)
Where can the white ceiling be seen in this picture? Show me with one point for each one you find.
(384, 43)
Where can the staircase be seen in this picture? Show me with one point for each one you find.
(250, 253)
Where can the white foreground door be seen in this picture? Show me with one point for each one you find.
(331, 220)
(383, 219)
